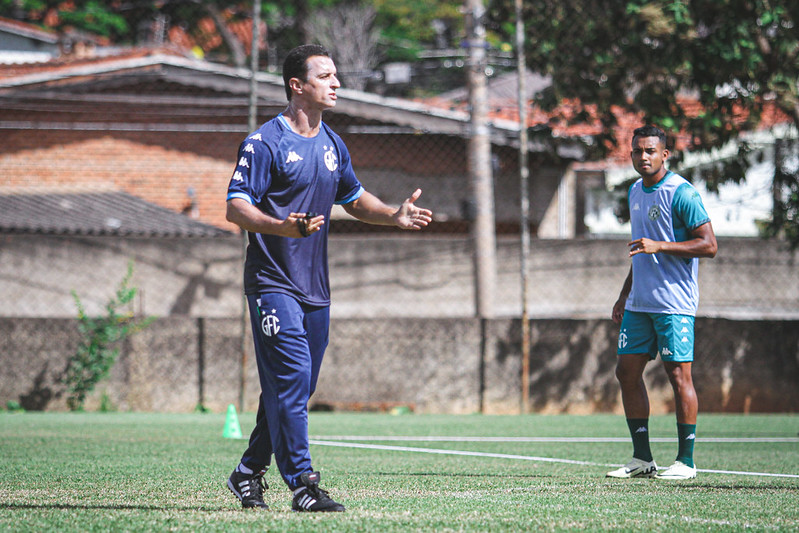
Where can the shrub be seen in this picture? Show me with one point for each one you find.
(100, 335)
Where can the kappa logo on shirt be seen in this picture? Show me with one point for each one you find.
(238, 176)
(249, 148)
(256, 137)
(244, 163)
(293, 157)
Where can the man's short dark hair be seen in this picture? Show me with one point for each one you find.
(650, 131)
(296, 63)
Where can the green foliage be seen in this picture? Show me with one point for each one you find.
(97, 351)
(785, 222)
(92, 16)
(407, 26)
(735, 57)
(13, 406)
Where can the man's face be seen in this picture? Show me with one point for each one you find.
(648, 155)
(320, 88)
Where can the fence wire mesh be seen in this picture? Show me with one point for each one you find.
(165, 129)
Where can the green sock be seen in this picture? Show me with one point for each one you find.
(686, 435)
(639, 431)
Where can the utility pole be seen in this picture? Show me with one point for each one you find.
(252, 123)
(524, 193)
(480, 173)
(482, 187)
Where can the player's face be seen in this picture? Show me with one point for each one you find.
(319, 89)
(648, 156)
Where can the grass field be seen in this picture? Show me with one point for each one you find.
(166, 472)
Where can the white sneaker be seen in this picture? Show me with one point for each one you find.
(678, 470)
(635, 468)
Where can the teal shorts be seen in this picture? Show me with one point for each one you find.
(653, 334)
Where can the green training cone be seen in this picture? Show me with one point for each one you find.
(232, 427)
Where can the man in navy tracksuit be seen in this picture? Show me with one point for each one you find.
(288, 175)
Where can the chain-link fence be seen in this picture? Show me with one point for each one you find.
(108, 158)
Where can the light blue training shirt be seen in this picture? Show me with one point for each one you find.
(669, 211)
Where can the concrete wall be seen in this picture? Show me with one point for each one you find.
(402, 331)
(378, 276)
(431, 365)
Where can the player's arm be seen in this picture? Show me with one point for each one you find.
(618, 307)
(249, 218)
(701, 244)
(371, 209)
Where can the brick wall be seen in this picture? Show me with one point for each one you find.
(155, 167)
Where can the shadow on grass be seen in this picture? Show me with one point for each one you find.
(738, 487)
(456, 474)
(115, 507)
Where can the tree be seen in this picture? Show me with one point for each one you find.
(131, 22)
(735, 58)
(409, 26)
(347, 31)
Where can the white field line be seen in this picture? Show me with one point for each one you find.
(732, 440)
(340, 444)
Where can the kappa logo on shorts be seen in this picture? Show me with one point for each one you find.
(666, 351)
(270, 324)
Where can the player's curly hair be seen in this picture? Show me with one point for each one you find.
(296, 63)
(650, 131)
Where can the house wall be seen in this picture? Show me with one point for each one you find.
(161, 169)
(189, 171)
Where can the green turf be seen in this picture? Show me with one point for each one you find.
(166, 472)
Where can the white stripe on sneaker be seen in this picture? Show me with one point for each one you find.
(306, 501)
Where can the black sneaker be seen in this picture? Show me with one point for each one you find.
(249, 489)
(312, 498)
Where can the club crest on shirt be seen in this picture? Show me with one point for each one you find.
(654, 212)
(330, 159)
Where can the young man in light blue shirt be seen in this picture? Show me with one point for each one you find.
(657, 304)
